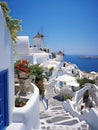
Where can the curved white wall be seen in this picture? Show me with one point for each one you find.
(29, 114)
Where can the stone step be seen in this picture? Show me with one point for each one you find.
(78, 126)
(56, 118)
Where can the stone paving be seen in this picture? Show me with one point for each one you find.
(53, 99)
(55, 117)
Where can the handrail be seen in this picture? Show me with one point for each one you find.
(45, 101)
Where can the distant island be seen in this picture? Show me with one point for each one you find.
(89, 57)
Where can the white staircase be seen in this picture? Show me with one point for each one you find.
(56, 118)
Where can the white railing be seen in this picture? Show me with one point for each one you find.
(45, 102)
(90, 116)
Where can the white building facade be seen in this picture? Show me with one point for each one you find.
(33, 54)
(6, 74)
(12, 118)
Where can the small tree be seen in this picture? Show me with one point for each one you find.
(37, 71)
(32, 71)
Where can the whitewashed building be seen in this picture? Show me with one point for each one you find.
(36, 54)
(66, 84)
(6, 74)
(11, 117)
(60, 56)
(22, 49)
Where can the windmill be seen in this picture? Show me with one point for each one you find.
(43, 36)
(39, 40)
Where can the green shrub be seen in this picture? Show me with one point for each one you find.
(68, 97)
(85, 80)
(19, 102)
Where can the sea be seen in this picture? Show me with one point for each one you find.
(84, 64)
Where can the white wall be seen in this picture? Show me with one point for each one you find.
(6, 60)
(39, 58)
(59, 57)
(29, 114)
(38, 42)
(22, 45)
(27, 57)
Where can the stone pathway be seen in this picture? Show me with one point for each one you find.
(53, 99)
(56, 118)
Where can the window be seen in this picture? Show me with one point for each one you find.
(61, 84)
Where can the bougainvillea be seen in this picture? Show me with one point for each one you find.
(31, 71)
(23, 65)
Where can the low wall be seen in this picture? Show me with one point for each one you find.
(91, 116)
(29, 114)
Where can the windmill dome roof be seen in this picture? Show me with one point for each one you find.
(60, 53)
(38, 35)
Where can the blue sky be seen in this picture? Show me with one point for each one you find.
(70, 25)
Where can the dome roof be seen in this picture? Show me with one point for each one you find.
(60, 53)
(38, 35)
